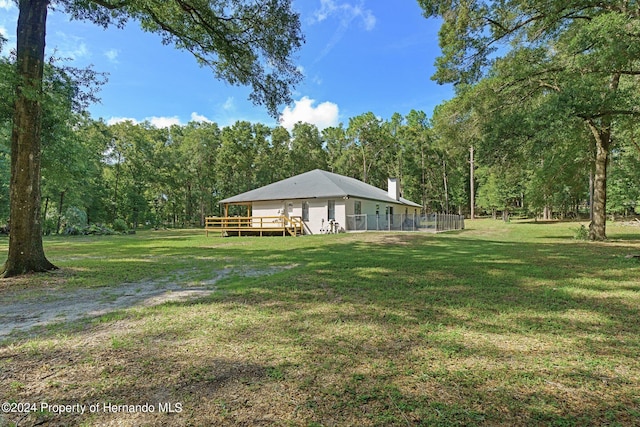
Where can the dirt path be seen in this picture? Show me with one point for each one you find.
(23, 309)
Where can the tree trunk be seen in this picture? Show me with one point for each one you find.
(591, 195)
(445, 181)
(60, 212)
(364, 166)
(44, 214)
(26, 253)
(472, 190)
(423, 180)
(597, 228)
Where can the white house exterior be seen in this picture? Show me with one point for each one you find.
(326, 201)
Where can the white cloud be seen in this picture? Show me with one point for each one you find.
(346, 13)
(112, 55)
(229, 104)
(164, 122)
(323, 116)
(6, 4)
(369, 20)
(195, 117)
(159, 122)
(70, 47)
(114, 120)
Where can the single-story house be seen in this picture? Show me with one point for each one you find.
(325, 202)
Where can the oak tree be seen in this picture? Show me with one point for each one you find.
(244, 42)
(585, 53)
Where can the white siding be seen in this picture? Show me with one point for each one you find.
(318, 211)
(268, 208)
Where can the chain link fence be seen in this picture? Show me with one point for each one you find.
(400, 222)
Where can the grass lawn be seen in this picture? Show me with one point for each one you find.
(499, 324)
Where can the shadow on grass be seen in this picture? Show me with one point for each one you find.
(385, 330)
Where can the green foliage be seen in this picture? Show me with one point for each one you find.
(243, 42)
(500, 188)
(624, 175)
(306, 152)
(556, 87)
(97, 229)
(120, 225)
(175, 177)
(49, 225)
(581, 233)
(5, 173)
(75, 217)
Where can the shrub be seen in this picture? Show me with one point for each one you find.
(49, 226)
(75, 217)
(581, 233)
(120, 225)
(100, 230)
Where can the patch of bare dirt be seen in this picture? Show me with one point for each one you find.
(23, 309)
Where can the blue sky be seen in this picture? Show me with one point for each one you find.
(359, 56)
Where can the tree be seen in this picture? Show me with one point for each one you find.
(624, 188)
(244, 42)
(306, 152)
(457, 126)
(368, 139)
(4, 181)
(6, 78)
(235, 160)
(197, 153)
(340, 157)
(416, 138)
(583, 52)
(279, 154)
(42, 107)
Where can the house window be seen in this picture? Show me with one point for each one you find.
(357, 207)
(331, 210)
(305, 211)
(390, 214)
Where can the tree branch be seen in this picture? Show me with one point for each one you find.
(112, 6)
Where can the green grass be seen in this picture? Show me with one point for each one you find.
(499, 324)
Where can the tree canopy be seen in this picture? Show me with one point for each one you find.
(243, 42)
(576, 60)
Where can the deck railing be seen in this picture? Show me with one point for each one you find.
(254, 224)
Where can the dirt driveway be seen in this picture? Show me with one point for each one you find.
(24, 309)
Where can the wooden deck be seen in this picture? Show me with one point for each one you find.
(254, 226)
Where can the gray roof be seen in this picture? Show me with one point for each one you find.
(317, 184)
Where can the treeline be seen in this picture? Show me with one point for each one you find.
(534, 159)
(95, 173)
(549, 93)
(99, 173)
